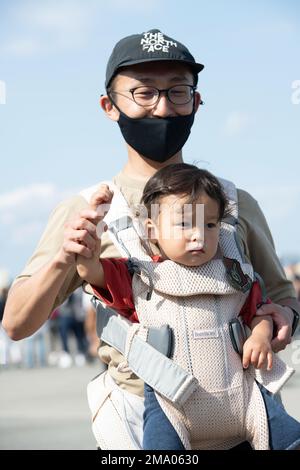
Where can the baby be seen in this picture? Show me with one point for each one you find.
(180, 231)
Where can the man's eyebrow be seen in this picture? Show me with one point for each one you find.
(175, 79)
(180, 78)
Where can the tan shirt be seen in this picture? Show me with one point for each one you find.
(253, 235)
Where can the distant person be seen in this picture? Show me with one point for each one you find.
(71, 323)
(90, 327)
(36, 348)
(3, 297)
(296, 282)
(10, 352)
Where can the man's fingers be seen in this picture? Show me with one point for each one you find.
(282, 324)
(100, 229)
(283, 333)
(282, 339)
(89, 214)
(84, 224)
(265, 309)
(277, 345)
(82, 237)
(73, 247)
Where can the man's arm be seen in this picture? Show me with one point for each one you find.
(258, 245)
(283, 318)
(292, 309)
(31, 300)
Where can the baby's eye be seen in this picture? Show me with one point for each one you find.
(183, 223)
(211, 225)
(186, 224)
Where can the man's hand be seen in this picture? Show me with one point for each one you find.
(283, 319)
(79, 237)
(89, 268)
(80, 234)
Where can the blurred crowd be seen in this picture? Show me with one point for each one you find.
(68, 338)
(292, 272)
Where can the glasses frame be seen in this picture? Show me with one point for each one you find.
(159, 92)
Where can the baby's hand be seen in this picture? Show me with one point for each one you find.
(258, 352)
(101, 200)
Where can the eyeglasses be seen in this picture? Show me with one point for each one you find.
(149, 96)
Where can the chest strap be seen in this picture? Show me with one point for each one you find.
(147, 355)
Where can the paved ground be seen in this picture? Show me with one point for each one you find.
(291, 391)
(47, 408)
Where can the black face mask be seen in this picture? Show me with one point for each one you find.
(156, 138)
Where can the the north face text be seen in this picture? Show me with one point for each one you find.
(156, 42)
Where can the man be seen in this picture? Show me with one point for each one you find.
(151, 92)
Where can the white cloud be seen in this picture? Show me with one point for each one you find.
(24, 211)
(21, 47)
(43, 27)
(26, 194)
(236, 122)
(46, 27)
(63, 17)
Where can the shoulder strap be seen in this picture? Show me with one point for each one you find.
(231, 221)
(124, 229)
(231, 193)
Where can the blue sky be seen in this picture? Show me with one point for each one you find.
(55, 140)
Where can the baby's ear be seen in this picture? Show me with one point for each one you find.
(151, 231)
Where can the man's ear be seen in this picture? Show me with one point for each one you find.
(108, 107)
(197, 101)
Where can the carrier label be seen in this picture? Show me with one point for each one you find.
(203, 334)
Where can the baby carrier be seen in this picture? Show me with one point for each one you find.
(210, 400)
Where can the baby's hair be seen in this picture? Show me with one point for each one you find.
(185, 180)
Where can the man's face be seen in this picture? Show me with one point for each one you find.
(161, 75)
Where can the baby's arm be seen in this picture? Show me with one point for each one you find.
(90, 269)
(257, 349)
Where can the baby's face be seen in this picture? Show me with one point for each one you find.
(187, 233)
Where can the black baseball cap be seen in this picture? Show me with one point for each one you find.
(150, 46)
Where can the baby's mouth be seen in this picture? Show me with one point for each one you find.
(196, 248)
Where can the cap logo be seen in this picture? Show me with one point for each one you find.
(153, 42)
